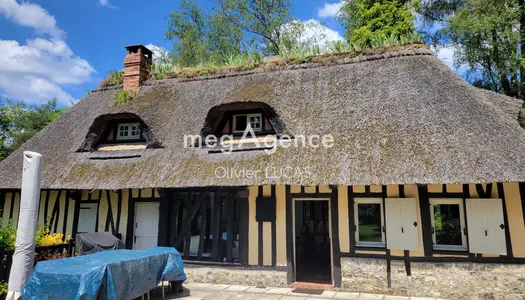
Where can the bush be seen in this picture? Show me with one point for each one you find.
(3, 288)
(123, 97)
(8, 236)
(113, 77)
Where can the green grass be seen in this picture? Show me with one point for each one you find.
(123, 97)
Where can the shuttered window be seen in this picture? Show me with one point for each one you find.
(401, 223)
(486, 226)
(448, 224)
(369, 222)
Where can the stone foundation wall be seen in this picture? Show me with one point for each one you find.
(230, 276)
(438, 280)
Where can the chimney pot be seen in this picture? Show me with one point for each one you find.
(137, 64)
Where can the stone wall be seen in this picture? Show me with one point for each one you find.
(441, 280)
(240, 275)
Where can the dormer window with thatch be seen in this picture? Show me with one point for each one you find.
(248, 125)
(128, 131)
(124, 134)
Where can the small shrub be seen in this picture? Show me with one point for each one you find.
(123, 97)
(3, 288)
(8, 236)
(114, 77)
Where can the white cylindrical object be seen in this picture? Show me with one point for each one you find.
(24, 256)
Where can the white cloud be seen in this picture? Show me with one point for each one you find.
(329, 10)
(107, 4)
(311, 32)
(31, 15)
(447, 55)
(38, 70)
(159, 53)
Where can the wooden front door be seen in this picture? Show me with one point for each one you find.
(146, 225)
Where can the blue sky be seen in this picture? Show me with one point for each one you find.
(59, 48)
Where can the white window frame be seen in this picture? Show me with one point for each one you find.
(379, 201)
(458, 201)
(129, 130)
(248, 123)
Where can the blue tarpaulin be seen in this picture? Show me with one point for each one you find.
(119, 274)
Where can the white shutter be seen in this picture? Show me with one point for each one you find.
(486, 234)
(401, 223)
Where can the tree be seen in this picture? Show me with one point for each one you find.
(20, 122)
(200, 37)
(187, 27)
(366, 20)
(261, 20)
(488, 43)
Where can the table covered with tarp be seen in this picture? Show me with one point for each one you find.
(119, 274)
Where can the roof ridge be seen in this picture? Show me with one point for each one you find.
(326, 60)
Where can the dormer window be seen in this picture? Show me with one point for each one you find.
(128, 131)
(241, 122)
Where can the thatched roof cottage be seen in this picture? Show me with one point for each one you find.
(378, 172)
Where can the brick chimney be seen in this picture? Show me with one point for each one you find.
(136, 67)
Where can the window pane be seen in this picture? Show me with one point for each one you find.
(240, 123)
(447, 224)
(255, 122)
(369, 217)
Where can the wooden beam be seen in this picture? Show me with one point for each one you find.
(109, 217)
(351, 219)
(119, 210)
(274, 227)
(230, 212)
(243, 230)
(501, 194)
(46, 206)
(260, 231)
(66, 211)
(204, 224)
(187, 236)
(216, 223)
(130, 228)
(522, 196)
(164, 214)
(190, 215)
(177, 223)
(466, 195)
(426, 224)
(54, 213)
(334, 211)
(290, 264)
(78, 198)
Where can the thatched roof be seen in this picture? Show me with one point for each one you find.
(397, 118)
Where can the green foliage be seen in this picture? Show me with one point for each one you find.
(261, 21)
(3, 288)
(366, 21)
(113, 77)
(123, 97)
(8, 236)
(19, 122)
(487, 36)
(200, 37)
(340, 47)
(485, 29)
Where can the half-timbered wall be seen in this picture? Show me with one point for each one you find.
(268, 242)
(60, 208)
